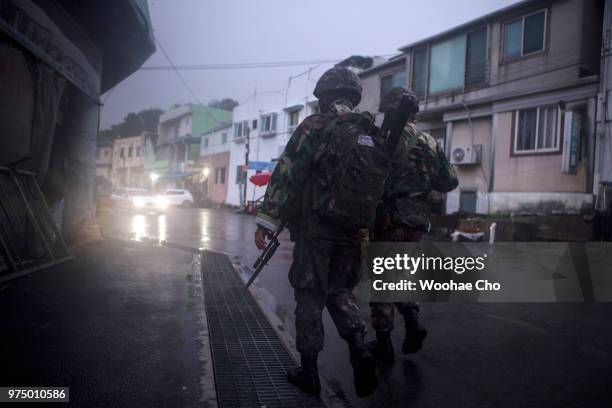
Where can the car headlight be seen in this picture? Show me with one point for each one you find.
(161, 202)
(138, 202)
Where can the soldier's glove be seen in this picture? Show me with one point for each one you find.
(266, 226)
(260, 237)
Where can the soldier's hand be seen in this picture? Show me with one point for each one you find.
(260, 237)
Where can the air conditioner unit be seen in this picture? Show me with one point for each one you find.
(466, 154)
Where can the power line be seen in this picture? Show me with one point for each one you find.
(178, 74)
(242, 65)
(194, 96)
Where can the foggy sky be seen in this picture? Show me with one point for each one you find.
(237, 31)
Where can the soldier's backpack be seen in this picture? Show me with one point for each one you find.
(351, 172)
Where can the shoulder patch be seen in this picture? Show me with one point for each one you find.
(365, 140)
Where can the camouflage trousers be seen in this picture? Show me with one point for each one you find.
(383, 313)
(324, 275)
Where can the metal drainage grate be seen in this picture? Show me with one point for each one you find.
(249, 359)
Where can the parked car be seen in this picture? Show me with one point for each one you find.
(177, 198)
(137, 199)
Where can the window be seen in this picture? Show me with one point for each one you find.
(294, 118)
(468, 200)
(106, 151)
(130, 151)
(205, 142)
(220, 175)
(537, 130)
(476, 57)
(138, 151)
(447, 65)
(241, 129)
(389, 81)
(224, 138)
(254, 124)
(525, 35)
(238, 129)
(419, 72)
(268, 123)
(122, 154)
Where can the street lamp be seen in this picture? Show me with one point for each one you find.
(154, 177)
(205, 172)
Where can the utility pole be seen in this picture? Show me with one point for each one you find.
(246, 164)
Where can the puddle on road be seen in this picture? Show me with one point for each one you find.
(217, 230)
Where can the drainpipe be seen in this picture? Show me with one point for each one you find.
(486, 179)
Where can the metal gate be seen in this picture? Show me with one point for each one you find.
(29, 237)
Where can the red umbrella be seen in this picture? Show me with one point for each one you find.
(260, 179)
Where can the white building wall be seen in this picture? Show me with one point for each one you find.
(215, 142)
(268, 149)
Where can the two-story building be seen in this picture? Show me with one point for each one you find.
(128, 162)
(178, 138)
(104, 158)
(215, 161)
(512, 96)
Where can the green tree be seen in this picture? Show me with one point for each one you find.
(133, 124)
(225, 104)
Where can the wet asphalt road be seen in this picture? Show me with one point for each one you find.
(477, 354)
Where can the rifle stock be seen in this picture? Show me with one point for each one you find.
(394, 121)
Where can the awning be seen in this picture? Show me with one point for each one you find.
(261, 165)
(260, 179)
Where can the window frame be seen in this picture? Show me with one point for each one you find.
(465, 87)
(536, 151)
(485, 81)
(241, 129)
(522, 18)
(426, 73)
(273, 124)
(391, 74)
(291, 127)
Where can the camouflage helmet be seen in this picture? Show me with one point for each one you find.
(394, 96)
(339, 80)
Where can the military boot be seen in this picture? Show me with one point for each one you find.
(415, 332)
(382, 347)
(306, 377)
(364, 366)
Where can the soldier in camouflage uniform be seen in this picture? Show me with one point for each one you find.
(326, 260)
(419, 167)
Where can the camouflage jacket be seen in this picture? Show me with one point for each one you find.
(283, 198)
(419, 167)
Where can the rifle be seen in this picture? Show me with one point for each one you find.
(266, 255)
(396, 115)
